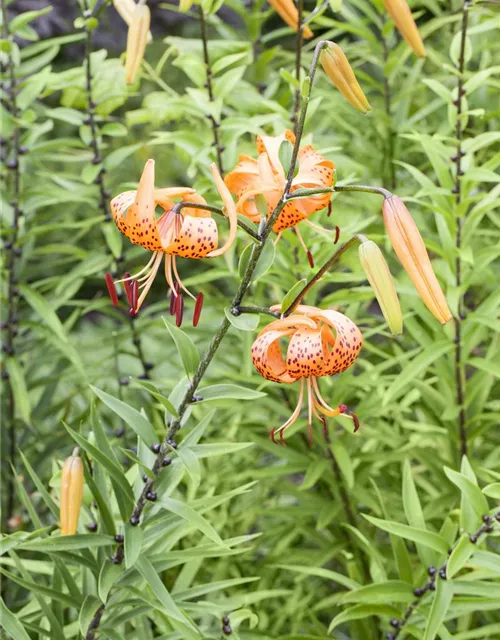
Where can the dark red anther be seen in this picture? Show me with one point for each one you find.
(111, 289)
(128, 291)
(179, 310)
(272, 433)
(282, 438)
(355, 419)
(197, 309)
(329, 213)
(342, 408)
(173, 298)
(337, 234)
(310, 259)
(134, 295)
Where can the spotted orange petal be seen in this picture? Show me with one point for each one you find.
(141, 216)
(197, 237)
(165, 197)
(348, 341)
(267, 357)
(119, 206)
(229, 210)
(307, 353)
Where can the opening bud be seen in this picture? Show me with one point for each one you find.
(136, 41)
(400, 12)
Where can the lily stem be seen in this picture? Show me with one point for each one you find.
(306, 193)
(215, 124)
(11, 263)
(237, 311)
(207, 207)
(319, 274)
(220, 333)
(299, 40)
(457, 159)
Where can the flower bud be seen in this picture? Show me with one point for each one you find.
(379, 276)
(400, 12)
(288, 12)
(337, 68)
(410, 249)
(136, 41)
(71, 493)
(126, 9)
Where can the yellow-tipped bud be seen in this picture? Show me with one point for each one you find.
(400, 12)
(126, 10)
(410, 249)
(71, 493)
(287, 10)
(337, 68)
(379, 276)
(136, 41)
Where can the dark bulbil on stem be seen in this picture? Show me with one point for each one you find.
(430, 585)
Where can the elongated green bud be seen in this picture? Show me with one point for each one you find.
(71, 493)
(379, 276)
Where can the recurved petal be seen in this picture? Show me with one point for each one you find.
(141, 216)
(271, 146)
(119, 206)
(314, 169)
(196, 239)
(307, 353)
(242, 176)
(267, 358)
(347, 344)
(164, 197)
(229, 210)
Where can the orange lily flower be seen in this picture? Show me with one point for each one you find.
(320, 343)
(189, 233)
(266, 176)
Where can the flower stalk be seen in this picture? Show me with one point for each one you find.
(460, 316)
(10, 325)
(209, 85)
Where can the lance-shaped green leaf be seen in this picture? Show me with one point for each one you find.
(193, 517)
(427, 538)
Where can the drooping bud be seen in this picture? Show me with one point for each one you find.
(136, 41)
(71, 493)
(337, 68)
(379, 276)
(400, 12)
(287, 10)
(410, 249)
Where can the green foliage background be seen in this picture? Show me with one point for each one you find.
(289, 542)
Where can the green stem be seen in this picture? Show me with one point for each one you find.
(207, 207)
(306, 193)
(236, 311)
(319, 274)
